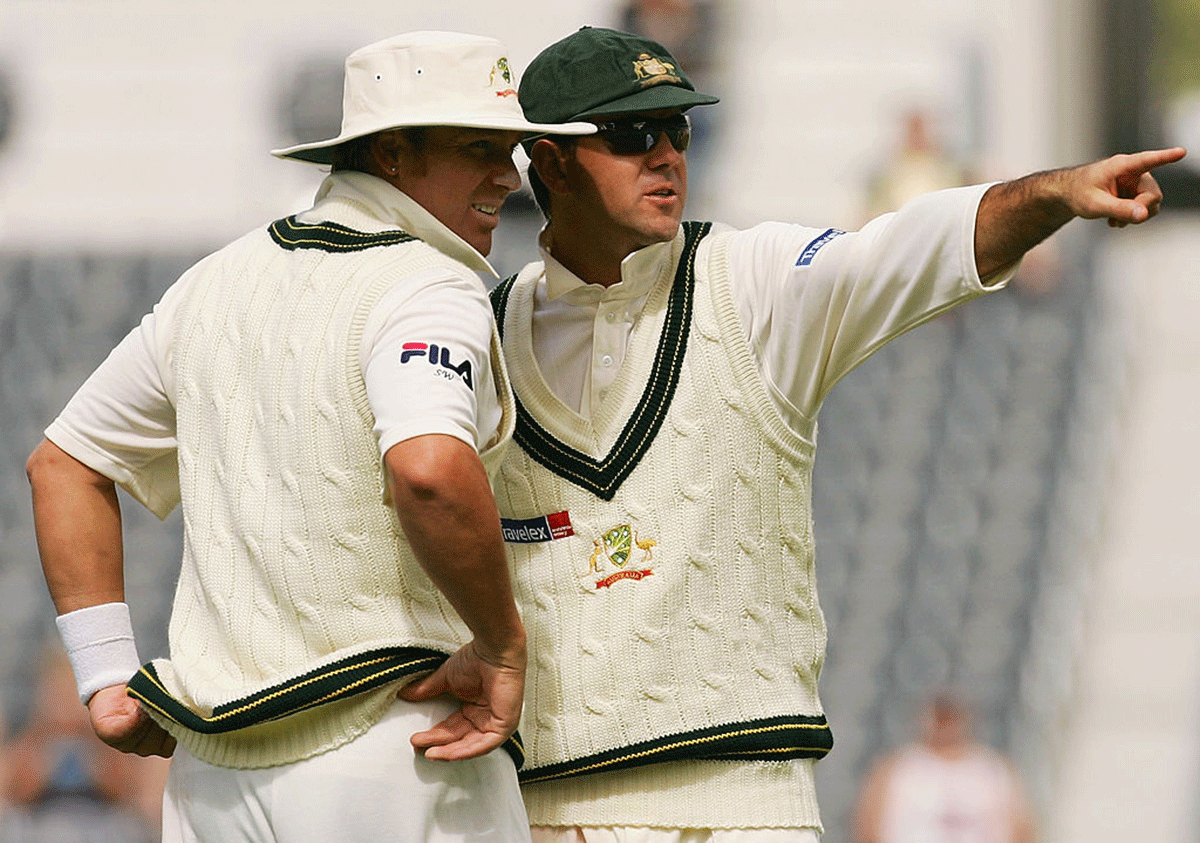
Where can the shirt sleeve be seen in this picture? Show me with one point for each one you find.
(427, 361)
(818, 302)
(121, 422)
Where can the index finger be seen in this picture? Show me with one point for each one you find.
(1151, 158)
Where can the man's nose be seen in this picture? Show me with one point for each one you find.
(663, 152)
(508, 176)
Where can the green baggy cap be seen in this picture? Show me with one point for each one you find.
(598, 71)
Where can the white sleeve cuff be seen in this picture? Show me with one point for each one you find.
(99, 642)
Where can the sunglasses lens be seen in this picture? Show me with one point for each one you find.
(623, 142)
(640, 137)
(681, 139)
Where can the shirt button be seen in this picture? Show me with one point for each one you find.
(606, 360)
(610, 316)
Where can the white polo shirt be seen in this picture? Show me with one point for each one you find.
(814, 302)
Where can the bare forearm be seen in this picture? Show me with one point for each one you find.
(448, 514)
(1015, 216)
(77, 520)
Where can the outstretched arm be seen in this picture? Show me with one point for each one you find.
(1015, 216)
(77, 519)
(446, 509)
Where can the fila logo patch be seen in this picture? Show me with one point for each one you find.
(437, 356)
(810, 251)
(544, 528)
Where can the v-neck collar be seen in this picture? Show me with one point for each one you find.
(543, 439)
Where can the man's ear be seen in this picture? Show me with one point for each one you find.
(388, 151)
(550, 161)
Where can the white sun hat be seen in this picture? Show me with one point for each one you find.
(428, 79)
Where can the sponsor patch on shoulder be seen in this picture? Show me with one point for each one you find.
(810, 251)
(543, 528)
(438, 357)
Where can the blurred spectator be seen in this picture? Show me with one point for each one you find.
(685, 27)
(689, 30)
(61, 784)
(943, 788)
(920, 165)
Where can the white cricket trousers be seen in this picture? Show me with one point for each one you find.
(375, 789)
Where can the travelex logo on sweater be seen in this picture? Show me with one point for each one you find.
(437, 355)
(543, 528)
(810, 251)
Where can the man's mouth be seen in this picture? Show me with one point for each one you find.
(490, 210)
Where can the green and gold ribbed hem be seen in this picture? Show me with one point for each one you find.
(783, 738)
(338, 680)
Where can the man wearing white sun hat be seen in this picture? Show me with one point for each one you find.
(326, 398)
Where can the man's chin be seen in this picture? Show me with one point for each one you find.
(483, 245)
(667, 231)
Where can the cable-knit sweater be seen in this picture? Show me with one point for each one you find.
(671, 606)
(300, 605)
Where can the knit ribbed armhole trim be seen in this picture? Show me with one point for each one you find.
(781, 738)
(603, 477)
(331, 237)
(499, 296)
(504, 390)
(353, 371)
(338, 680)
(741, 358)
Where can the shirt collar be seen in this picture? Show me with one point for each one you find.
(639, 271)
(392, 206)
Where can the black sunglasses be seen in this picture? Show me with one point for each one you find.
(633, 137)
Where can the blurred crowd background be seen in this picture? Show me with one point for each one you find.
(1003, 498)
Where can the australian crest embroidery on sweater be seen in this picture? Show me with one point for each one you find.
(616, 547)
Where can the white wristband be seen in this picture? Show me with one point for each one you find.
(99, 642)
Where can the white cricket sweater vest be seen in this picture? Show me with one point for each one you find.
(300, 605)
(663, 559)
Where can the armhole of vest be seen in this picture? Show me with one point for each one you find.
(355, 377)
(499, 296)
(742, 359)
(503, 383)
(184, 322)
(372, 294)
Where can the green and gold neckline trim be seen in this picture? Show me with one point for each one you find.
(330, 236)
(603, 477)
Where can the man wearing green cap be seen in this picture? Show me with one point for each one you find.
(668, 377)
